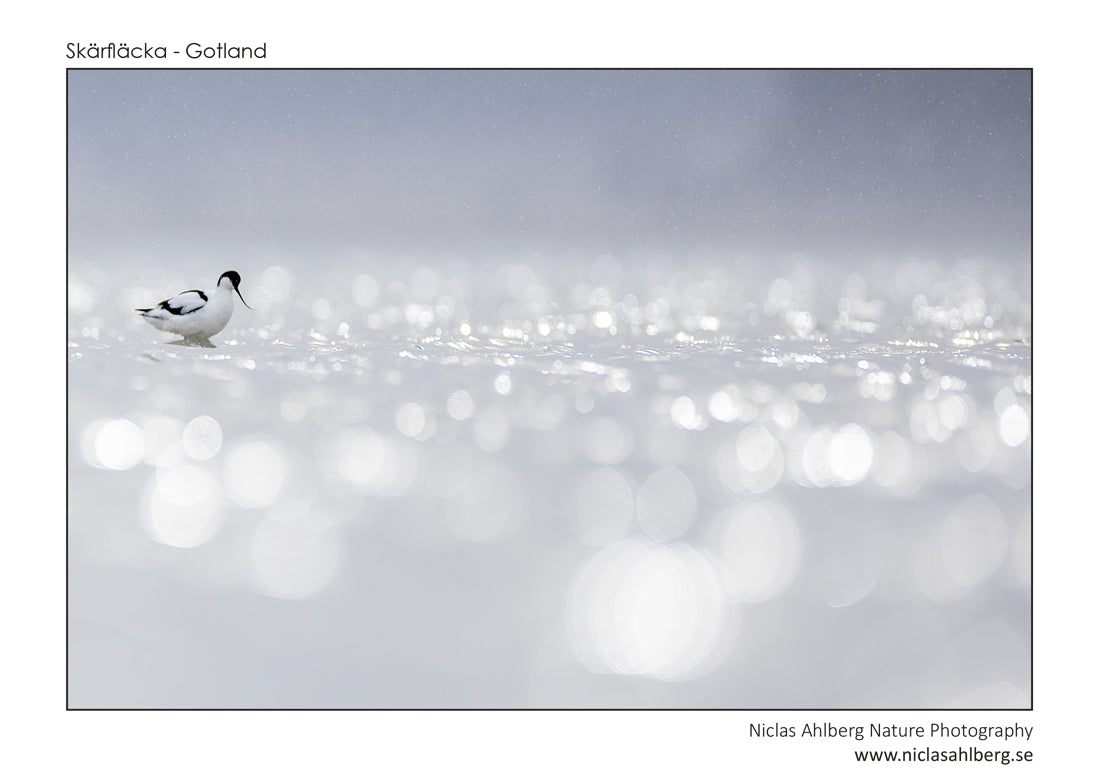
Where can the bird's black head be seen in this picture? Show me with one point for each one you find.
(235, 279)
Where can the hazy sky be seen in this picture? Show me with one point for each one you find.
(820, 162)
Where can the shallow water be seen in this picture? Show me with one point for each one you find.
(556, 484)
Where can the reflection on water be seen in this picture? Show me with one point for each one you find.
(439, 485)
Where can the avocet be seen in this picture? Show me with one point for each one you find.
(197, 315)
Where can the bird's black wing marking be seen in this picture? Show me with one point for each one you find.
(181, 304)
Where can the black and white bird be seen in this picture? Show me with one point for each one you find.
(197, 315)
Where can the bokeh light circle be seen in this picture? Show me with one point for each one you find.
(255, 472)
(666, 504)
(760, 545)
(185, 507)
(113, 443)
(642, 608)
(202, 437)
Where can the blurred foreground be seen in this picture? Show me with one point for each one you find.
(436, 485)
